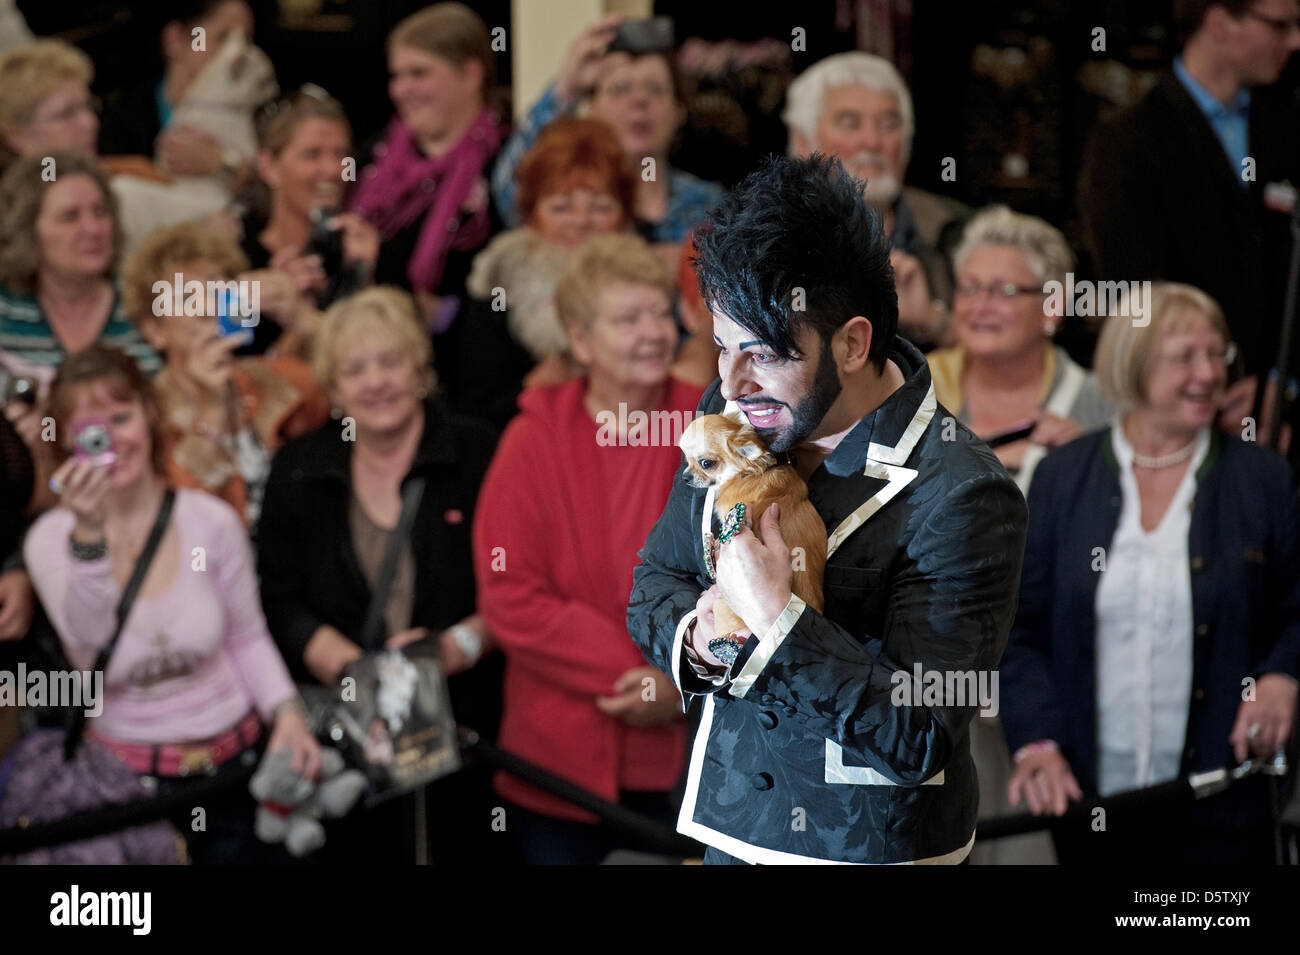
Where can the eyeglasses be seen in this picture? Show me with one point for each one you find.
(72, 111)
(1223, 355)
(1003, 290)
(653, 89)
(1281, 25)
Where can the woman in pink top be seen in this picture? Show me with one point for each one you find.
(194, 676)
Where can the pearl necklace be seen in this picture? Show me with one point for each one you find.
(1166, 460)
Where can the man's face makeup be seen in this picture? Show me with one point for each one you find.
(784, 399)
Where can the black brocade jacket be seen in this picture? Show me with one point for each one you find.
(807, 751)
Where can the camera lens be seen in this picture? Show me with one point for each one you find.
(94, 439)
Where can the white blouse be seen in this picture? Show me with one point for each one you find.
(1144, 635)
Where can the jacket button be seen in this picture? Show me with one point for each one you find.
(767, 720)
(761, 781)
(1191, 753)
(1202, 629)
(1198, 564)
(1198, 694)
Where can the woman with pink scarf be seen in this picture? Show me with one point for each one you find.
(424, 188)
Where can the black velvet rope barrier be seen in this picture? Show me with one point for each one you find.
(624, 819)
(105, 819)
(1078, 813)
(1186, 789)
(112, 818)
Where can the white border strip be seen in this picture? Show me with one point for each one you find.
(837, 772)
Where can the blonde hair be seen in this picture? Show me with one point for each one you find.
(600, 260)
(1125, 349)
(383, 307)
(161, 253)
(1043, 245)
(452, 31)
(31, 72)
(278, 120)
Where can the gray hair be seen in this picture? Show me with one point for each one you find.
(1042, 244)
(803, 104)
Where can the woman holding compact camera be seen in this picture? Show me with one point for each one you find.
(60, 236)
(307, 254)
(225, 415)
(625, 73)
(192, 682)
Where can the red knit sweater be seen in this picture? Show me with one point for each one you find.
(559, 522)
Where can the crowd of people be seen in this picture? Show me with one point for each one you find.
(269, 350)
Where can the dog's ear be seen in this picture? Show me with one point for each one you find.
(747, 449)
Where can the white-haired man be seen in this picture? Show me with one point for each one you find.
(856, 107)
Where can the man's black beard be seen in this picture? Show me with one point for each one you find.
(808, 415)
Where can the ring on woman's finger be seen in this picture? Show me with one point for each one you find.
(1253, 731)
(56, 485)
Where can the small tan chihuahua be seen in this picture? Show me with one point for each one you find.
(729, 453)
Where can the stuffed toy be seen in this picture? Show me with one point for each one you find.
(291, 807)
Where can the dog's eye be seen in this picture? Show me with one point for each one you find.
(707, 463)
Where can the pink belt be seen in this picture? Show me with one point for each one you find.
(187, 759)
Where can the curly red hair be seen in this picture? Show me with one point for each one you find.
(573, 152)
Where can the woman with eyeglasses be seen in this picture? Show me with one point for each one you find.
(640, 95)
(1158, 633)
(45, 101)
(1004, 374)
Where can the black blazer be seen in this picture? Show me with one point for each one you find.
(1244, 562)
(807, 754)
(309, 570)
(1159, 199)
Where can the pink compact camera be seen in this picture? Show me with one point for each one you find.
(94, 443)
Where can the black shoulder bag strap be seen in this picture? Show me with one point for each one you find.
(77, 716)
(373, 626)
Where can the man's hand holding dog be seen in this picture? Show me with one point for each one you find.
(755, 576)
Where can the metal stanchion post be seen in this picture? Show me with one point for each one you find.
(421, 829)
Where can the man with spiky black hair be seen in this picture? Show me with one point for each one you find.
(823, 737)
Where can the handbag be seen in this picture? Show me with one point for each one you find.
(393, 719)
(50, 775)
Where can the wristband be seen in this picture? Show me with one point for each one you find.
(467, 638)
(292, 703)
(95, 550)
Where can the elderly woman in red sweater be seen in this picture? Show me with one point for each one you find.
(579, 479)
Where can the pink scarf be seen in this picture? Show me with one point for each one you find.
(401, 185)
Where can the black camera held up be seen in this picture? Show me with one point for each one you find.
(326, 241)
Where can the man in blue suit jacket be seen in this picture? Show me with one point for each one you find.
(807, 751)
